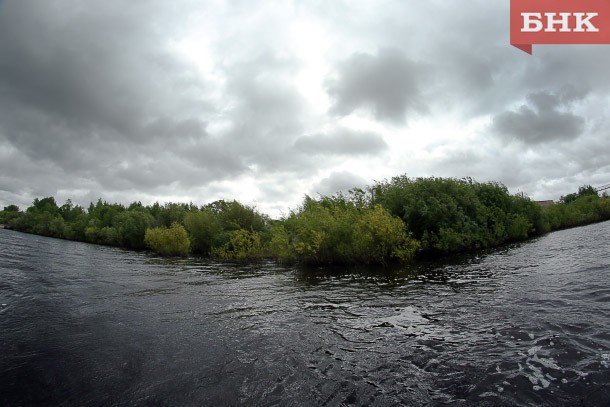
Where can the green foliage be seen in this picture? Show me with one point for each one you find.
(234, 216)
(278, 244)
(106, 235)
(172, 241)
(450, 215)
(131, 226)
(585, 190)
(389, 221)
(41, 218)
(46, 205)
(105, 213)
(583, 208)
(243, 246)
(169, 213)
(75, 229)
(204, 230)
(379, 237)
(340, 230)
(9, 213)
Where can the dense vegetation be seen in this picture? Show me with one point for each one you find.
(390, 221)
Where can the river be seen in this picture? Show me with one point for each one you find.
(86, 325)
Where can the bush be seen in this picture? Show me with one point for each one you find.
(243, 246)
(379, 237)
(9, 213)
(336, 230)
(450, 215)
(172, 241)
(580, 209)
(204, 230)
(131, 226)
(278, 244)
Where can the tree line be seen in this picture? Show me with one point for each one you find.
(391, 221)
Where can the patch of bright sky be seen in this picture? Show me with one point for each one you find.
(311, 48)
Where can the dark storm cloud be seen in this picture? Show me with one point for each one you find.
(387, 83)
(545, 118)
(342, 142)
(145, 98)
(90, 88)
(103, 65)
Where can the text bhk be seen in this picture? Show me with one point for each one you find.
(558, 22)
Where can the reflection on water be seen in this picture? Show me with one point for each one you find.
(89, 325)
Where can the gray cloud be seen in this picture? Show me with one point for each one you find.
(388, 84)
(544, 119)
(340, 181)
(88, 89)
(87, 66)
(267, 112)
(342, 142)
(190, 99)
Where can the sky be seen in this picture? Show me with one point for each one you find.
(267, 101)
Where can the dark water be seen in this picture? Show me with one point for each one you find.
(89, 325)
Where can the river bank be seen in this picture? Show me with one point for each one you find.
(390, 222)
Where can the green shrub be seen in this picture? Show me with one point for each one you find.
(278, 245)
(131, 228)
(378, 237)
(172, 241)
(243, 245)
(450, 215)
(204, 230)
(336, 230)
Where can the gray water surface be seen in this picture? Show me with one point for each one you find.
(89, 325)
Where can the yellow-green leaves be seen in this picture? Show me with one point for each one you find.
(172, 241)
(336, 230)
(243, 245)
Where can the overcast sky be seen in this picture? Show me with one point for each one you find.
(266, 101)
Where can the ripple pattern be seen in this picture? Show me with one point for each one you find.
(88, 325)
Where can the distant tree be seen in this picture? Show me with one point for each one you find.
(70, 212)
(11, 208)
(169, 213)
(44, 205)
(104, 212)
(135, 205)
(234, 216)
(587, 190)
(568, 198)
(9, 214)
(338, 230)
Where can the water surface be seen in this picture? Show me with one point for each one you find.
(90, 325)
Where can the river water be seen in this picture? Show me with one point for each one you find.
(89, 325)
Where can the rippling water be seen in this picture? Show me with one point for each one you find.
(89, 325)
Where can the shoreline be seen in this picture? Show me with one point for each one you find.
(420, 258)
(392, 222)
